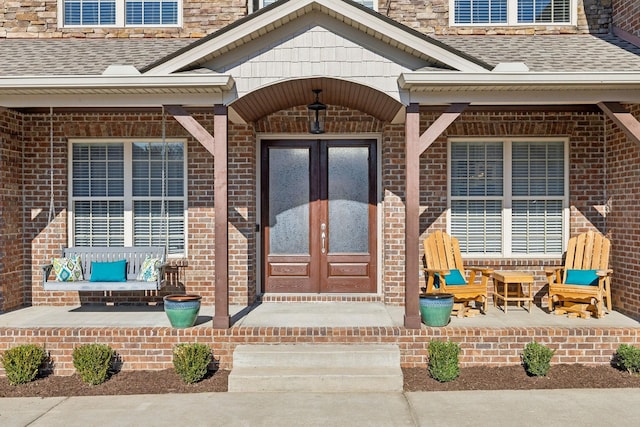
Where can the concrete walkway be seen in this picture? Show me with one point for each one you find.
(465, 408)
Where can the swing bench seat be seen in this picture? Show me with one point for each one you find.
(134, 257)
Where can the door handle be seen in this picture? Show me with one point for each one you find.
(323, 237)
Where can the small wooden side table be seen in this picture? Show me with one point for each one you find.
(508, 287)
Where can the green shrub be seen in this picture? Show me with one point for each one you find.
(191, 361)
(93, 362)
(22, 363)
(443, 360)
(537, 359)
(628, 358)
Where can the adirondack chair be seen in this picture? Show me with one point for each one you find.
(584, 282)
(446, 273)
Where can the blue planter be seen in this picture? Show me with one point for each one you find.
(435, 308)
(182, 310)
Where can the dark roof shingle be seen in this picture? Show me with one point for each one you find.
(552, 53)
(46, 57)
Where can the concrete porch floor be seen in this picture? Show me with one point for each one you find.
(312, 314)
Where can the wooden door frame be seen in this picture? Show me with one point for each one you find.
(377, 137)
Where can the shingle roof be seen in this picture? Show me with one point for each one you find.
(568, 53)
(43, 57)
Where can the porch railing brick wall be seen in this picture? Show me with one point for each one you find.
(151, 348)
(38, 19)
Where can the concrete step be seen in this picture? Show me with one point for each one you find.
(316, 368)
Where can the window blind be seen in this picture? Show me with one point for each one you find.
(90, 12)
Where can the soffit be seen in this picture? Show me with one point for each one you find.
(290, 93)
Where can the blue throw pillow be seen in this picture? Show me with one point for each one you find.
(109, 271)
(582, 277)
(454, 278)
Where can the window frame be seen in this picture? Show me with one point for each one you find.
(508, 198)
(127, 197)
(120, 18)
(512, 17)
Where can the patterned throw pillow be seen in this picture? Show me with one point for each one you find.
(149, 270)
(68, 269)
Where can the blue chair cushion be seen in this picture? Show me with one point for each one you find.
(582, 277)
(115, 271)
(454, 278)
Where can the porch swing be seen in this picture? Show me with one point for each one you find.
(107, 268)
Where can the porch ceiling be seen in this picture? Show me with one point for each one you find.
(279, 96)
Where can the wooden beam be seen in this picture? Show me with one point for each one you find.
(415, 145)
(439, 126)
(196, 130)
(623, 118)
(221, 319)
(412, 218)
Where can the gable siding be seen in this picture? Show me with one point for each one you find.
(38, 19)
(314, 50)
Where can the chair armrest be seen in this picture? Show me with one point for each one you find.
(436, 271)
(485, 271)
(604, 273)
(552, 270)
(46, 270)
(554, 275)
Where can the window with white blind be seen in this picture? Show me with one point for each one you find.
(512, 12)
(129, 193)
(120, 13)
(508, 198)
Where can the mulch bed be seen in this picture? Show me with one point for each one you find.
(415, 379)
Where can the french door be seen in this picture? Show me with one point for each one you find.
(318, 204)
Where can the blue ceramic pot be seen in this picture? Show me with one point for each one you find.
(182, 310)
(435, 308)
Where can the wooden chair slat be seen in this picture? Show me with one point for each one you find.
(587, 251)
(442, 254)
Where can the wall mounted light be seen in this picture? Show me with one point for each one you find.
(317, 114)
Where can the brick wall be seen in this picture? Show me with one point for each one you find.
(626, 16)
(587, 179)
(11, 242)
(150, 348)
(38, 18)
(586, 174)
(432, 17)
(623, 222)
(45, 240)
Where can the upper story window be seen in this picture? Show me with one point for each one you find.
(512, 12)
(259, 4)
(120, 13)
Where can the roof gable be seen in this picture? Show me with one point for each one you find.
(352, 17)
